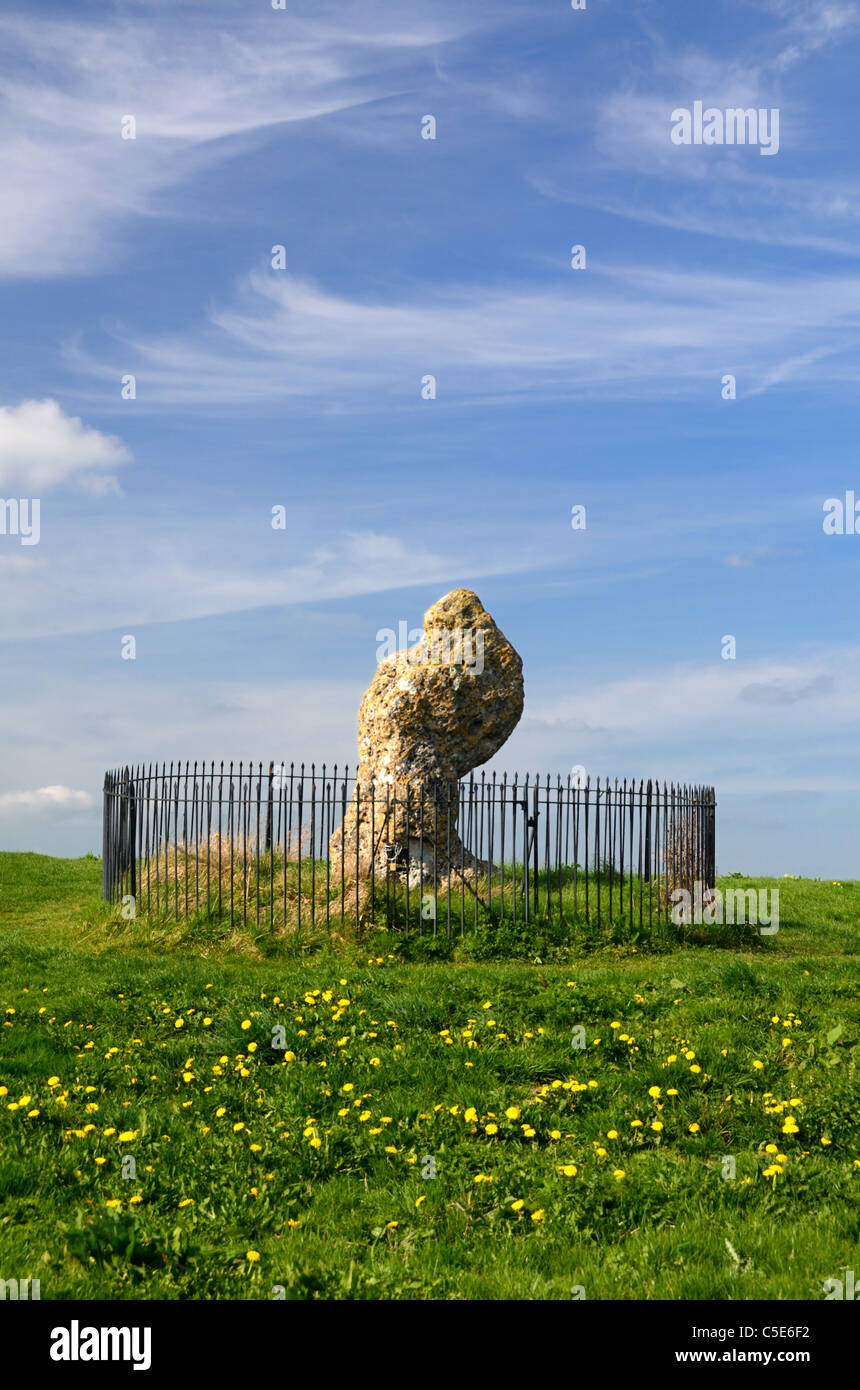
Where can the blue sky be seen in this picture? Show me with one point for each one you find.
(301, 387)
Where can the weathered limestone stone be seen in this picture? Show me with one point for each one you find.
(431, 714)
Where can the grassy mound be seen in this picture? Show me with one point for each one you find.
(347, 1123)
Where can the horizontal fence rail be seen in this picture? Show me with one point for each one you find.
(252, 844)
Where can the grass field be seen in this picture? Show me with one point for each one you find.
(427, 1128)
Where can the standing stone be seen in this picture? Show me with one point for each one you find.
(431, 714)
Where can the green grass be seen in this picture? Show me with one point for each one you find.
(95, 1002)
(265, 907)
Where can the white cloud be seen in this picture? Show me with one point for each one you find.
(726, 698)
(41, 447)
(191, 564)
(745, 559)
(228, 565)
(620, 330)
(201, 84)
(810, 26)
(45, 799)
(724, 192)
(727, 201)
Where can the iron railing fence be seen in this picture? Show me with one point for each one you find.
(252, 843)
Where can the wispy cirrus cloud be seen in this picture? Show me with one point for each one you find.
(810, 26)
(164, 570)
(616, 330)
(202, 83)
(745, 559)
(731, 204)
(631, 169)
(168, 575)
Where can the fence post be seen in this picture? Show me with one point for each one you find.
(270, 807)
(132, 836)
(105, 838)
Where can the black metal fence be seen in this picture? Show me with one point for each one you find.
(252, 844)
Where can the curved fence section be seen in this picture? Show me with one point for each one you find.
(266, 845)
